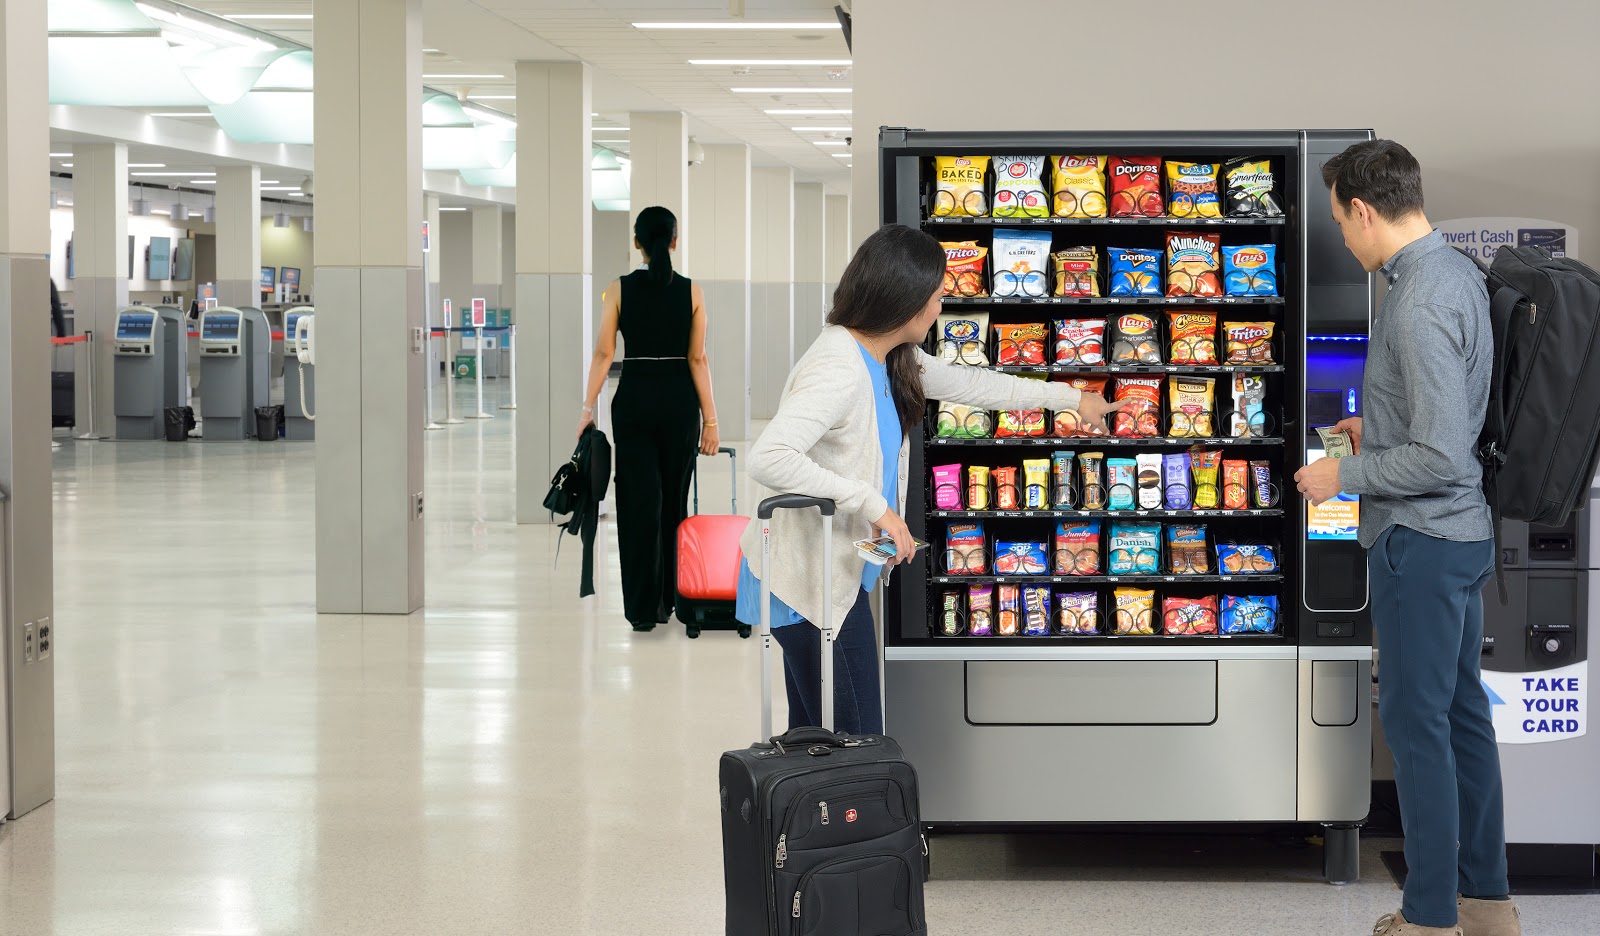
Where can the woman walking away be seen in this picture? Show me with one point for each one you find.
(840, 433)
(662, 405)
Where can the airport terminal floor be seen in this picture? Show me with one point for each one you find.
(512, 759)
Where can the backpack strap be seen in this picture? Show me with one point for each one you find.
(1502, 310)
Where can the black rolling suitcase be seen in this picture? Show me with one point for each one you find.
(821, 832)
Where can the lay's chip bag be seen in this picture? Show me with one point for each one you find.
(1080, 186)
(1250, 270)
(959, 190)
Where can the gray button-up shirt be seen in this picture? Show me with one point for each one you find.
(1427, 388)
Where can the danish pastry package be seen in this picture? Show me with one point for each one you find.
(959, 188)
(1080, 184)
(1135, 549)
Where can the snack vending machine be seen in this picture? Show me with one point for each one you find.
(1150, 626)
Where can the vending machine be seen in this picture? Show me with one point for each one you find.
(1149, 626)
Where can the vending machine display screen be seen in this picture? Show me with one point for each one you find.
(223, 327)
(136, 326)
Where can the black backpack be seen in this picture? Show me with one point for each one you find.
(1541, 436)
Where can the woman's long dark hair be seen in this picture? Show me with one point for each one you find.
(654, 229)
(886, 285)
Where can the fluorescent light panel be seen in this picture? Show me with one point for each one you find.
(448, 208)
(792, 90)
(831, 143)
(157, 175)
(147, 165)
(809, 111)
(735, 24)
(60, 155)
(817, 62)
(843, 155)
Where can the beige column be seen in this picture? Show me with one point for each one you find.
(659, 149)
(810, 269)
(771, 286)
(837, 246)
(239, 235)
(719, 195)
(100, 287)
(555, 334)
(369, 306)
(487, 234)
(27, 690)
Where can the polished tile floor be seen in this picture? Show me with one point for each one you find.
(511, 760)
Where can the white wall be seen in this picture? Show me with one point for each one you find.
(613, 235)
(142, 227)
(1499, 101)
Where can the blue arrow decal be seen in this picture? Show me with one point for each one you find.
(1493, 698)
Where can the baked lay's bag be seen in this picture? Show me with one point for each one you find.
(1080, 184)
(1192, 190)
(1019, 188)
(959, 187)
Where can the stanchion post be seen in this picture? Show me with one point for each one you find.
(511, 336)
(478, 367)
(88, 434)
(450, 417)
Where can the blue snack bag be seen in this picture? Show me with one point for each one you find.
(1250, 270)
(1135, 272)
(1249, 614)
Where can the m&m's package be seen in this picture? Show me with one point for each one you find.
(1193, 262)
(959, 338)
(1192, 190)
(1135, 186)
(959, 190)
(1250, 270)
(1188, 617)
(1249, 614)
(1080, 186)
(1134, 271)
(1036, 610)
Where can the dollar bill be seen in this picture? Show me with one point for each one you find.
(1335, 444)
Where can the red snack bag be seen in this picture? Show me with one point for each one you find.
(1080, 341)
(1194, 264)
(1186, 617)
(1141, 418)
(1135, 186)
(1067, 422)
(1235, 485)
(1020, 344)
(1007, 495)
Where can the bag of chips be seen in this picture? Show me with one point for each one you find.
(1194, 405)
(1179, 485)
(1077, 548)
(959, 421)
(1141, 417)
(980, 610)
(1250, 270)
(1186, 550)
(1135, 186)
(1008, 602)
(952, 621)
(959, 338)
(1248, 342)
(1246, 559)
(1251, 189)
(947, 487)
(1036, 610)
(1134, 272)
(1192, 190)
(1235, 484)
(1019, 187)
(1192, 337)
(1091, 467)
(1189, 617)
(1020, 559)
(1080, 341)
(1135, 549)
(1122, 473)
(1020, 424)
(1077, 271)
(1135, 611)
(1249, 614)
(1077, 613)
(1063, 485)
(1249, 415)
(1036, 483)
(1021, 264)
(963, 268)
(1134, 339)
(978, 487)
(966, 549)
(1068, 423)
(1080, 184)
(1193, 262)
(1020, 344)
(1206, 463)
(958, 187)
(1007, 495)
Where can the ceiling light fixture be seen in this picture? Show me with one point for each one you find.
(147, 165)
(157, 175)
(450, 208)
(448, 77)
(831, 143)
(822, 129)
(66, 165)
(209, 214)
(60, 155)
(202, 27)
(267, 16)
(306, 224)
(183, 114)
(809, 111)
(430, 50)
(202, 181)
(791, 90)
(730, 24)
(817, 62)
(179, 212)
(843, 155)
(141, 207)
(280, 220)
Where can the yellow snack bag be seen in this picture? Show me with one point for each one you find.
(1192, 190)
(959, 187)
(1080, 186)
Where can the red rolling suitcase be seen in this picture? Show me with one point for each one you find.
(708, 564)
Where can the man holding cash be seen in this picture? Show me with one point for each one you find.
(1429, 539)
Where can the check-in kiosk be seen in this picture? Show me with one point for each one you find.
(150, 348)
(299, 378)
(235, 347)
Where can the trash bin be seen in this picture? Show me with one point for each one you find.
(269, 423)
(177, 429)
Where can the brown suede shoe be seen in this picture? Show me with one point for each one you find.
(1395, 924)
(1488, 917)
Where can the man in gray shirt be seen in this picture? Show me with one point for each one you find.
(1429, 539)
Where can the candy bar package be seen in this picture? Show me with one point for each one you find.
(959, 338)
(1135, 549)
(1263, 493)
(1080, 186)
(1007, 494)
(1036, 610)
(966, 549)
(1020, 559)
(1235, 485)
(1123, 473)
(1019, 187)
(1186, 550)
(978, 487)
(1021, 264)
(1134, 272)
(1080, 341)
(1249, 401)
(1193, 264)
(1189, 617)
(1207, 465)
(964, 263)
(1149, 481)
(1249, 614)
(1020, 344)
(1178, 485)
(1194, 404)
(1192, 337)
(959, 421)
(1077, 271)
(952, 622)
(1008, 599)
(1134, 340)
(1077, 613)
(1141, 417)
(1091, 467)
(1246, 559)
(947, 487)
(1192, 190)
(1077, 548)
(1250, 270)
(959, 190)
(1063, 484)
(1135, 186)
(1248, 342)
(1135, 611)
(1067, 422)
(980, 610)
(1252, 191)
(1036, 484)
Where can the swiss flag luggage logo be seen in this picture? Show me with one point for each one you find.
(850, 815)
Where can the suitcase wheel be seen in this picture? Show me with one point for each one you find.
(744, 631)
(691, 630)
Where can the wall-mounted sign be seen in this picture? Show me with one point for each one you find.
(1481, 237)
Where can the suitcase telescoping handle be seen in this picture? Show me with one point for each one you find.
(764, 515)
(734, 498)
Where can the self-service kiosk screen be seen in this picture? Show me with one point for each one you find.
(220, 328)
(288, 326)
(136, 326)
(1336, 577)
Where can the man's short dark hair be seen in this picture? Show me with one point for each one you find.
(1381, 173)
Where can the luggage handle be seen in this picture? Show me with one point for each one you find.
(804, 737)
(764, 513)
(734, 498)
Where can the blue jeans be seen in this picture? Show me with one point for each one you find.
(1427, 607)
(857, 708)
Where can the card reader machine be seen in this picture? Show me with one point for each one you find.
(149, 369)
(235, 350)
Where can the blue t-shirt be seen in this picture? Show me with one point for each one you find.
(748, 605)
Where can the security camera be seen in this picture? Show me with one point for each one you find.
(697, 153)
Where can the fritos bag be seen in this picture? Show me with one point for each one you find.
(1193, 264)
(1135, 186)
(963, 268)
(1019, 187)
(958, 187)
(1249, 342)
(1080, 183)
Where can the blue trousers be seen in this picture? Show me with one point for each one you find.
(1428, 610)
(857, 708)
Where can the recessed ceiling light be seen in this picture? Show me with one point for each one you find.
(822, 129)
(430, 50)
(147, 165)
(735, 24)
(442, 77)
(280, 188)
(450, 208)
(831, 143)
(60, 155)
(183, 114)
(791, 90)
(186, 172)
(267, 16)
(809, 112)
(843, 155)
(202, 181)
(818, 62)
(66, 165)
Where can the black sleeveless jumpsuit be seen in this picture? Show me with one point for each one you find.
(655, 416)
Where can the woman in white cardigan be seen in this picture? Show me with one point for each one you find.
(840, 432)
